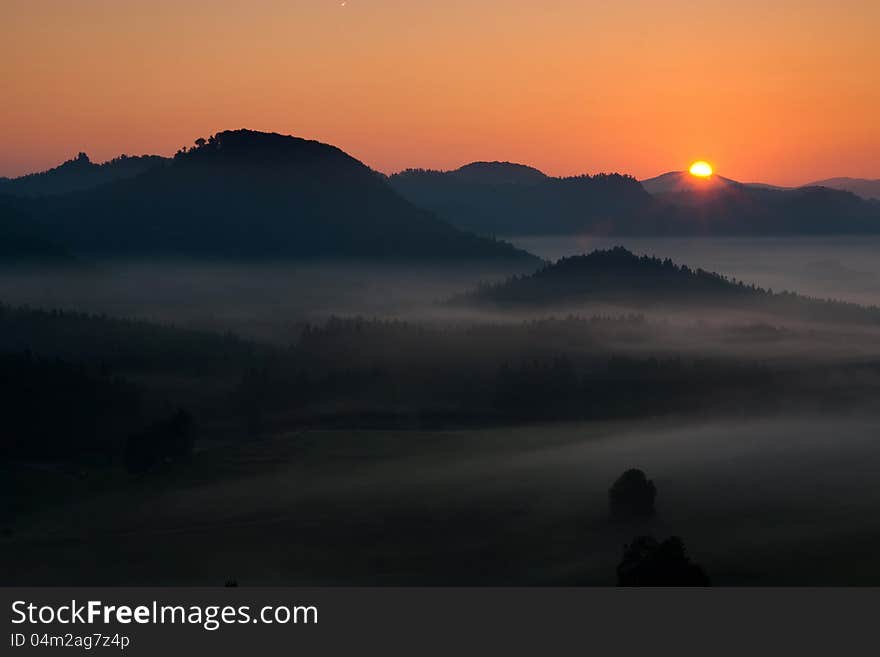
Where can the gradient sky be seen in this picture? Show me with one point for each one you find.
(782, 92)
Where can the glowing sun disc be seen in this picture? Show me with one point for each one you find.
(701, 169)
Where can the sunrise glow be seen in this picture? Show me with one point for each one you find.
(701, 169)
(437, 85)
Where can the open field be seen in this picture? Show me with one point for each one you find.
(773, 501)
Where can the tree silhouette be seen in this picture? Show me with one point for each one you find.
(632, 495)
(647, 562)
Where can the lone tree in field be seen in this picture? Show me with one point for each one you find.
(649, 563)
(632, 495)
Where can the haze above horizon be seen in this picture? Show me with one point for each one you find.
(783, 93)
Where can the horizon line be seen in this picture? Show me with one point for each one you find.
(169, 156)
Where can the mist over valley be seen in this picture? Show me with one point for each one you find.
(261, 361)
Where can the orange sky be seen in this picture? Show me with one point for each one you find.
(782, 92)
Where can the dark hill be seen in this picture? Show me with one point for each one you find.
(499, 173)
(245, 194)
(505, 199)
(682, 181)
(77, 174)
(617, 276)
(614, 275)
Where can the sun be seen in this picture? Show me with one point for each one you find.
(701, 169)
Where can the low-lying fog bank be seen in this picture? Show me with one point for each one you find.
(425, 444)
(274, 302)
(261, 301)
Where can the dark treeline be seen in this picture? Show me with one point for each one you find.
(375, 373)
(77, 387)
(358, 372)
(55, 410)
(121, 345)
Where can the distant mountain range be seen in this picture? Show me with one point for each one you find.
(618, 277)
(501, 198)
(868, 189)
(688, 205)
(681, 181)
(245, 194)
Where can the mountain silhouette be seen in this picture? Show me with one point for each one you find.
(675, 182)
(246, 194)
(500, 198)
(617, 276)
(688, 205)
(77, 174)
(682, 181)
(612, 275)
(259, 195)
(867, 189)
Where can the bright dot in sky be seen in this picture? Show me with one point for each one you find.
(701, 169)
